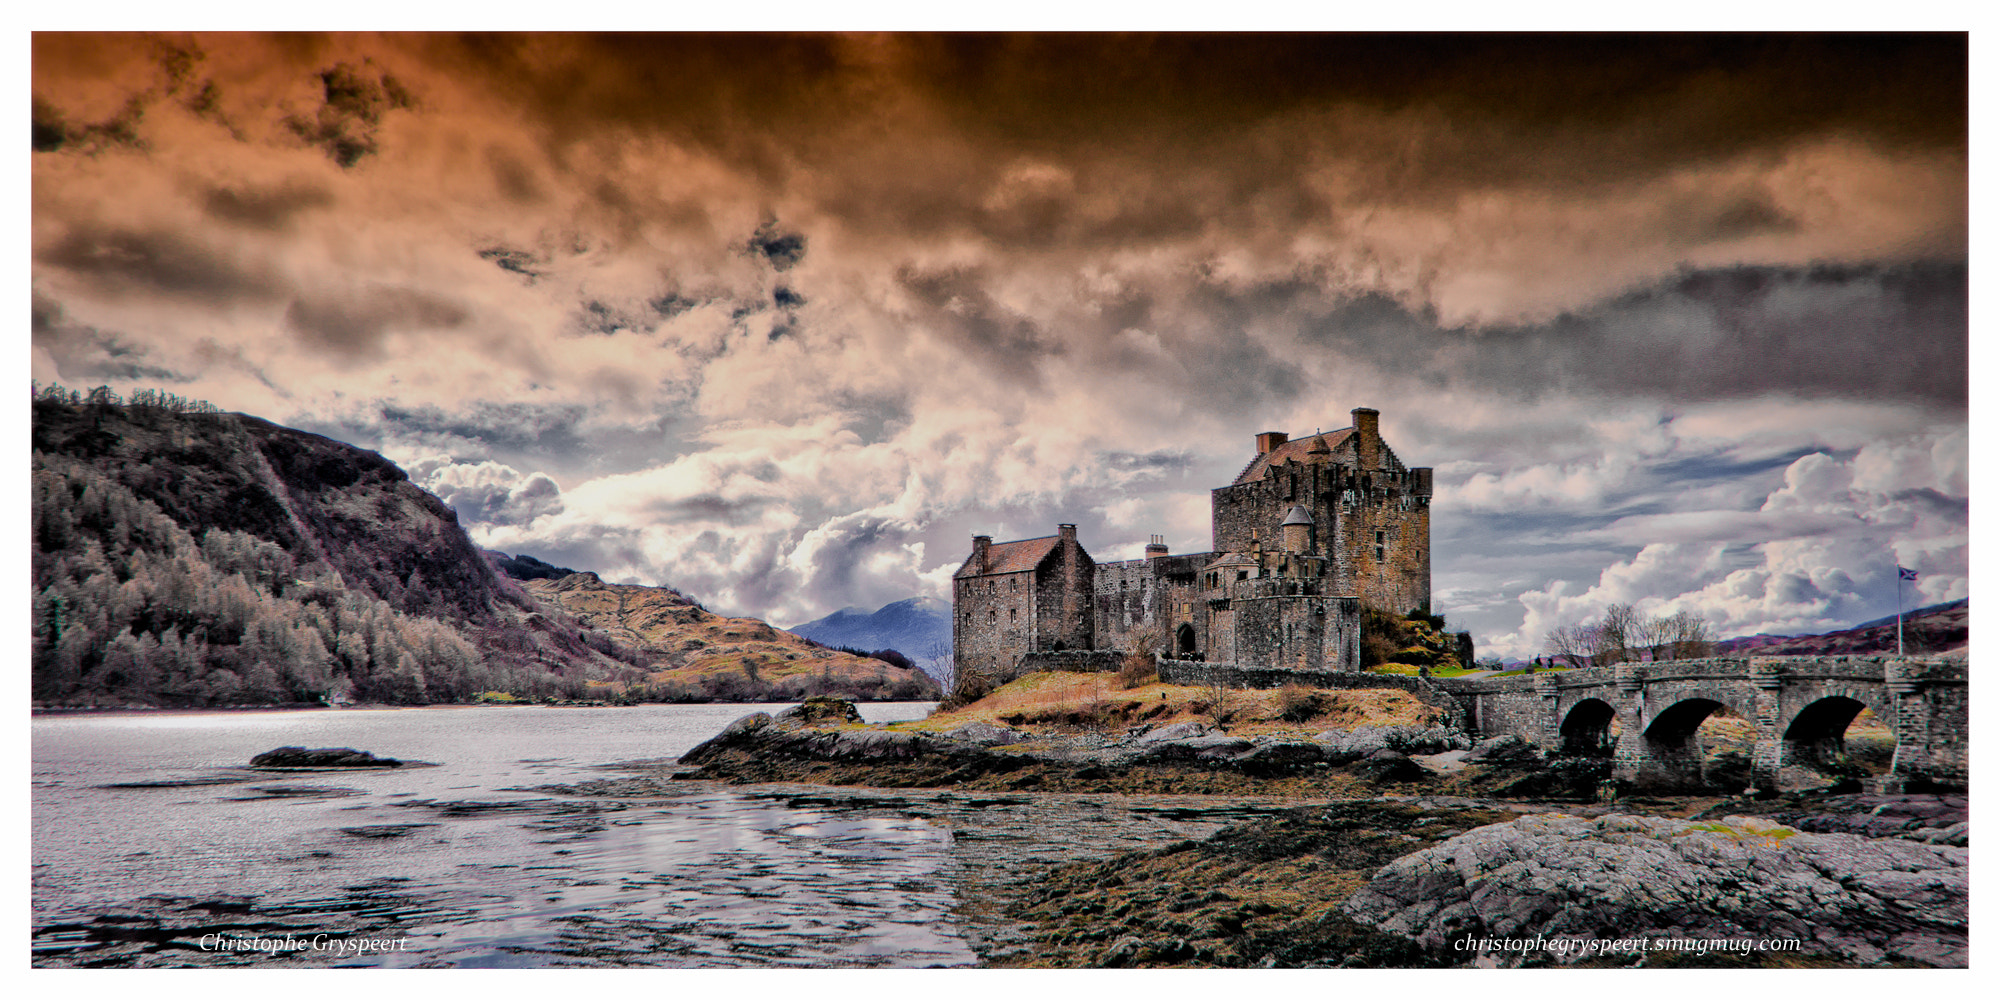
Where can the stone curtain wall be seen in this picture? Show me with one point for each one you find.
(1080, 661)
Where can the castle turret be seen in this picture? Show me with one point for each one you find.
(1296, 530)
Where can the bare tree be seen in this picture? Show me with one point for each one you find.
(1575, 643)
(1618, 633)
(1685, 635)
(939, 663)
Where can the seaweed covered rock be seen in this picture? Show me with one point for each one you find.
(819, 711)
(321, 757)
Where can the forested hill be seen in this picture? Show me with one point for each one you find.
(183, 556)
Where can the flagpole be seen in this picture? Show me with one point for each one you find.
(1899, 609)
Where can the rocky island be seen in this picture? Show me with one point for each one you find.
(1399, 837)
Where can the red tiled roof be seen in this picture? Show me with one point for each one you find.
(1294, 449)
(1012, 557)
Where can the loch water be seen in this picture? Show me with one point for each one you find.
(152, 843)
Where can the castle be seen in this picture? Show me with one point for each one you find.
(1310, 530)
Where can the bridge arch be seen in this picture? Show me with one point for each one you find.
(1671, 753)
(1817, 733)
(1587, 729)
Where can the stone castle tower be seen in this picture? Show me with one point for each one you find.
(1309, 531)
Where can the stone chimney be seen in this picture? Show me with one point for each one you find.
(1067, 532)
(1269, 441)
(1156, 546)
(982, 546)
(1368, 436)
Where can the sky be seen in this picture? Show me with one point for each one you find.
(782, 321)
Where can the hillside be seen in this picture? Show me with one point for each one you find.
(1928, 631)
(694, 653)
(182, 556)
(919, 628)
(186, 557)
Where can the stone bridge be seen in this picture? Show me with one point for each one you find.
(1644, 715)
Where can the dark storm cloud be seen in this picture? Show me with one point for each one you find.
(515, 428)
(520, 262)
(515, 178)
(348, 120)
(1717, 92)
(51, 130)
(89, 355)
(1871, 332)
(354, 325)
(120, 263)
(783, 249)
(955, 305)
(711, 507)
(1888, 333)
(272, 208)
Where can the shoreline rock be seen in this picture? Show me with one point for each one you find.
(1571, 880)
(293, 757)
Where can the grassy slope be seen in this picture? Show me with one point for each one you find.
(1065, 702)
(689, 644)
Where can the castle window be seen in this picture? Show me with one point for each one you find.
(1010, 614)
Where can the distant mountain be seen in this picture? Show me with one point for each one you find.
(916, 628)
(1927, 631)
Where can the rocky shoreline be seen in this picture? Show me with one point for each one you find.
(824, 742)
(1424, 842)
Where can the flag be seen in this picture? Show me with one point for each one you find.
(1905, 574)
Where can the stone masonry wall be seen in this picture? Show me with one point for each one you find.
(1137, 594)
(992, 621)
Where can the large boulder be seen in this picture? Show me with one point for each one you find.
(1508, 749)
(987, 734)
(1213, 747)
(321, 757)
(1567, 881)
(744, 731)
(1387, 766)
(1353, 744)
(1177, 731)
(819, 711)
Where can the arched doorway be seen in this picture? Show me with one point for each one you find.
(1184, 648)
